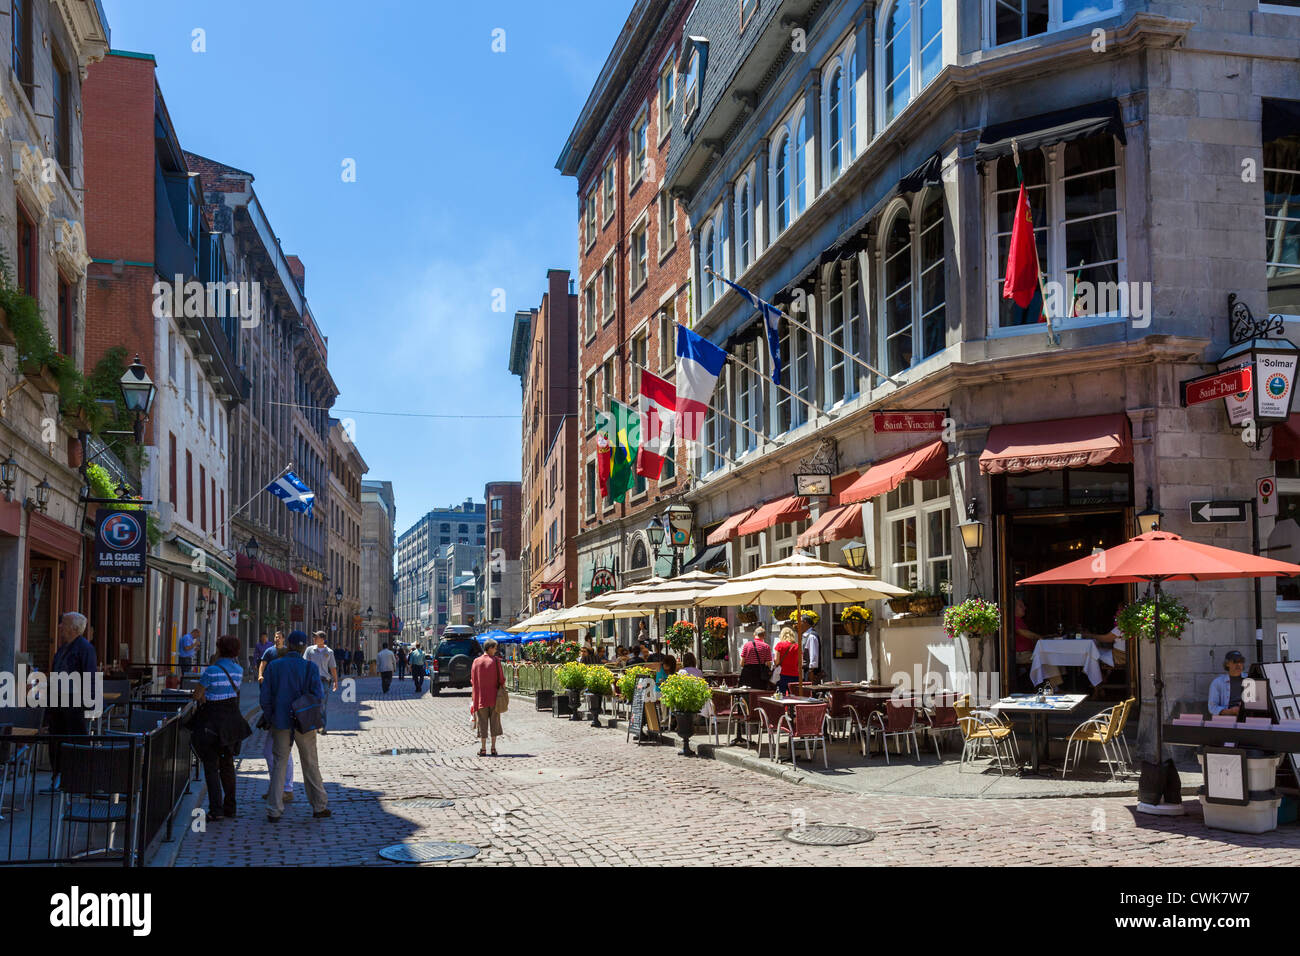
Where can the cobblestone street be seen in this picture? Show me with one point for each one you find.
(565, 793)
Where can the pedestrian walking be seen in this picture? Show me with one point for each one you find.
(218, 727)
(273, 652)
(70, 685)
(386, 660)
(787, 659)
(186, 647)
(359, 662)
(288, 680)
(322, 655)
(812, 654)
(259, 651)
(487, 679)
(401, 663)
(417, 666)
(341, 658)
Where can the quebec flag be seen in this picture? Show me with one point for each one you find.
(290, 489)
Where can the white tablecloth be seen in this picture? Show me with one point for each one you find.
(1050, 654)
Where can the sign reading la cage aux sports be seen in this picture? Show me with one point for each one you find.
(120, 545)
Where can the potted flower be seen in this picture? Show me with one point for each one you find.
(1138, 619)
(977, 620)
(599, 680)
(924, 602)
(627, 680)
(855, 619)
(715, 638)
(684, 696)
(680, 635)
(572, 676)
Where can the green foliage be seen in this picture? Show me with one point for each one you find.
(627, 681)
(571, 675)
(685, 693)
(24, 317)
(1138, 619)
(974, 616)
(600, 680)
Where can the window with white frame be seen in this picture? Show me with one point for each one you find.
(711, 263)
(843, 323)
(589, 216)
(1073, 191)
(780, 186)
(608, 176)
(638, 252)
(833, 121)
(717, 429)
(910, 53)
(744, 219)
(667, 223)
(640, 341)
(667, 86)
(667, 335)
(589, 394)
(589, 307)
(796, 378)
(931, 314)
(607, 382)
(851, 108)
(801, 186)
(1282, 221)
(840, 110)
(607, 288)
(785, 537)
(751, 552)
(749, 398)
(638, 144)
(1011, 20)
(691, 83)
(918, 535)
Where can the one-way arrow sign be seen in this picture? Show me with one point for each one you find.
(1209, 512)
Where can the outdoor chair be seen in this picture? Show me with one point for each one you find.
(839, 715)
(22, 754)
(976, 731)
(115, 711)
(808, 727)
(143, 721)
(1123, 726)
(725, 707)
(101, 774)
(941, 719)
(10, 751)
(897, 721)
(964, 709)
(1103, 730)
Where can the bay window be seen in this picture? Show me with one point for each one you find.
(910, 53)
(1011, 20)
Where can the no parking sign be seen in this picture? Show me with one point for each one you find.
(1266, 497)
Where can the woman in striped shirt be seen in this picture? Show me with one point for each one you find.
(219, 727)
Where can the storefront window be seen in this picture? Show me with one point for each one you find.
(750, 552)
(918, 532)
(1072, 486)
(1099, 486)
(1288, 506)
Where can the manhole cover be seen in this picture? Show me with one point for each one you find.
(398, 751)
(824, 835)
(425, 803)
(428, 852)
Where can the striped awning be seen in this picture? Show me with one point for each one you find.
(727, 530)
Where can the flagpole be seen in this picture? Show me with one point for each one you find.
(1053, 339)
(743, 364)
(821, 338)
(712, 409)
(283, 471)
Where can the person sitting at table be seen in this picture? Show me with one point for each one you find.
(1225, 690)
(667, 667)
(688, 666)
(787, 659)
(1113, 641)
(651, 652)
(620, 657)
(1025, 641)
(634, 657)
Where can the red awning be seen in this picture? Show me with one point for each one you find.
(834, 525)
(781, 511)
(1059, 443)
(727, 530)
(288, 583)
(1286, 440)
(926, 463)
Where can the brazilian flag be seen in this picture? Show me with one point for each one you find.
(625, 438)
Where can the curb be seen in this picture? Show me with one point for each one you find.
(166, 853)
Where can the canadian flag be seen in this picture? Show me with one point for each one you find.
(658, 409)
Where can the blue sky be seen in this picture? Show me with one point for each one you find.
(456, 193)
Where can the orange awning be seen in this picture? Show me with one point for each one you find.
(926, 463)
(1058, 443)
(835, 525)
(727, 530)
(781, 511)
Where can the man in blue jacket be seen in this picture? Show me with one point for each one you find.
(286, 679)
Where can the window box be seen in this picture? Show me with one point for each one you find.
(6, 334)
(42, 376)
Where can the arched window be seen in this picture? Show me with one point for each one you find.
(851, 98)
(781, 185)
(801, 166)
(639, 557)
(744, 225)
(897, 276)
(930, 269)
(911, 52)
(708, 256)
(834, 125)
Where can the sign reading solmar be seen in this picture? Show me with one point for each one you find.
(120, 544)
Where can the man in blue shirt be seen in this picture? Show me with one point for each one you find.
(186, 646)
(1226, 689)
(75, 659)
(286, 679)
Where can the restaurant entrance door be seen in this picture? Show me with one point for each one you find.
(1038, 529)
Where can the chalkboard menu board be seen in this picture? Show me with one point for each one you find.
(641, 719)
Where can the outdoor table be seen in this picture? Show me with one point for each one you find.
(1065, 652)
(1037, 712)
(788, 704)
(751, 695)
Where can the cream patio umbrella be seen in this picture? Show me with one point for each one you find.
(536, 622)
(798, 578)
(680, 591)
(616, 598)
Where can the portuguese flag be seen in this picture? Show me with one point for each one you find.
(625, 435)
(1022, 286)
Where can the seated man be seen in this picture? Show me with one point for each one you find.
(1112, 646)
(1225, 690)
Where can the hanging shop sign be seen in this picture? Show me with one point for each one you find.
(815, 486)
(1272, 363)
(1225, 384)
(120, 544)
(908, 421)
(310, 572)
(602, 580)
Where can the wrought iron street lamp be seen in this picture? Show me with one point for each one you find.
(1148, 519)
(138, 391)
(8, 476)
(252, 548)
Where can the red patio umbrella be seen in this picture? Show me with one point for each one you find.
(1155, 557)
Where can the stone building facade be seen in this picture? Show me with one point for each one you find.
(858, 172)
(43, 569)
(423, 594)
(346, 468)
(633, 253)
(378, 518)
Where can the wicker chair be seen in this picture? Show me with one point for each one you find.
(977, 730)
(808, 727)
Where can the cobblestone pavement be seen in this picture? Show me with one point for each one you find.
(565, 793)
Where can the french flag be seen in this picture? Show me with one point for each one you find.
(699, 363)
(658, 409)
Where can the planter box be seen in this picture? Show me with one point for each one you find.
(42, 377)
(6, 335)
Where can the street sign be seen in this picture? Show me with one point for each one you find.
(1266, 497)
(1212, 512)
(1207, 388)
(120, 545)
(913, 421)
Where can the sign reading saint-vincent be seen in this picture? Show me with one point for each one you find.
(907, 421)
(120, 545)
(1207, 388)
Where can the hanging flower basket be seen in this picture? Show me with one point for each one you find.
(1138, 619)
(747, 615)
(855, 619)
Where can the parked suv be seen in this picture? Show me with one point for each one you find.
(450, 660)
